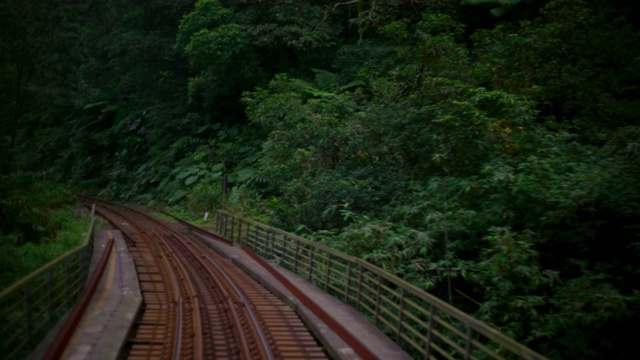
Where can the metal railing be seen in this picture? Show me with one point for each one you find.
(31, 307)
(425, 326)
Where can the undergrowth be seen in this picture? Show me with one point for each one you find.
(38, 223)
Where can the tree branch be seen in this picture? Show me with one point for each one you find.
(339, 4)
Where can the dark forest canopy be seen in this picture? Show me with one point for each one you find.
(486, 150)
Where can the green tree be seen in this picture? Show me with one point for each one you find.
(34, 70)
(219, 52)
(578, 60)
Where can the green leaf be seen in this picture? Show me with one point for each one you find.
(202, 129)
(184, 174)
(217, 167)
(215, 176)
(326, 81)
(178, 195)
(93, 105)
(245, 174)
(190, 180)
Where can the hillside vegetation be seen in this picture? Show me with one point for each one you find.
(488, 151)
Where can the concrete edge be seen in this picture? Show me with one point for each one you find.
(330, 341)
(124, 307)
(130, 300)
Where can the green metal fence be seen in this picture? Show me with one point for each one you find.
(30, 308)
(419, 322)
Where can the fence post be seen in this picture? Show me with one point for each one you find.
(310, 277)
(27, 309)
(326, 281)
(247, 232)
(274, 251)
(91, 243)
(295, 264)
(84, 264)
(348, 289)
(78, 277)
(409, 297)
(467, 354)
(359, 296)
(67, 278)
(224, 190)
(50, 298)
(268, 251)
(427, 349)
(233, 227)
(262, 251)
(378, 300)
(401, 317)
(270, 240)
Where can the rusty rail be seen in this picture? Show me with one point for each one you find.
(356, 344)
(220, 281)
(226, 313)
(159, 326)
(343, 333)
(62, 340)
(31, 307)
(422, 324)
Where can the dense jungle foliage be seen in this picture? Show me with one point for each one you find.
(486, 150)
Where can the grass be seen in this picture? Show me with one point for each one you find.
(41, 222)
(191, 216)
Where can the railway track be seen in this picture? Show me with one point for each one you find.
(198, 305)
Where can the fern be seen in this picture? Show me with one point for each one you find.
(351, 85)
(326, 80)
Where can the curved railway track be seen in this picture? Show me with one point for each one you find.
(198, 305)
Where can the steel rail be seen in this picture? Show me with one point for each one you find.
(197, 229)
(171, 267)
(255, 326)
(191, 292)
(174, 286)
(265, 349)
(332, 323)
(62, 340)
(263, 340)
(241, 293)
(176, 353)
(354, 342)
(127, 240)
(257, 317)
(247, 306)
(244, 346)
(178, 301)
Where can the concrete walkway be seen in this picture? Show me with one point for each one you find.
(103, 330)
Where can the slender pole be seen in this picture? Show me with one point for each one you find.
(224, 190)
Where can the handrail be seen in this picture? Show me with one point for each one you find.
(32, 306)
(59, 346)
(421, 323)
